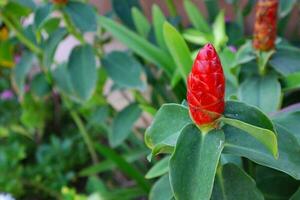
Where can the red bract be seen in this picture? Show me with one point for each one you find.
(62, 2)
(206, 87)
(265, 25)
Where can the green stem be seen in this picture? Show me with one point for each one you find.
(85, 136)
(72, 30)
(21, 36)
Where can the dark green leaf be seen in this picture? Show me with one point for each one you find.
(123, 123)
(194, 163)
(285, 7)
(124, 70)
(82, 69)
(263, 92)
(82, 15)
(296, 196)
(233, 183)
(41, 15)
(63, 80)
(40, 85)
(161, 190)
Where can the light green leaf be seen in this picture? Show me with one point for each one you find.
(139, 45)
(245, 54)
(219, 31)
(292, 81)
(178, 49)
(160, 168)
(141, 23)
(161, 190)
(265, 136)
(82, 15)
(233, 183)
(123, 123)
(158, 22)
(196, 17)
(263, 92)
(124, 70)
(82, 70)
(166, 126)
(196, 37)
(194, 163)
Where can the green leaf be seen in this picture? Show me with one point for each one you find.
(265, 136)
(178, 49)
(233, 183)
(226, 57)
(167, 124)
(286, 60)
(245, 54)
(123, 10)
(196, 17)
(274, 184)
(40, 85)
(194, 163)
(158, 22)
(212, 7)
(83, 72)
(50, 46)
(141, 23)
(160, 168)
(82, 15)
(219, 31)
(296, 195)
(41, 15)
(6, 54)
(123, 165)
(123, 123)
(21, 70)
(51, 25)
(252, 121)
(63, 80)
(292, 81)
(124, 70)
(139, 45)
(242, 144)
(161, 190)
(196, 37)
(263, 92)
(285, 7)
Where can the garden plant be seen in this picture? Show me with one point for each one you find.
(193, 106)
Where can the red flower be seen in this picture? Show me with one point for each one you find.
(206, 87)
(265, 25)
(62, 2)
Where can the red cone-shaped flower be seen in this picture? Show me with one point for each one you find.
(62, 2)
(206, 87)
(265, 25)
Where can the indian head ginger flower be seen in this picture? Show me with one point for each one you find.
(265, 25)
(61, 2)
(206, 88)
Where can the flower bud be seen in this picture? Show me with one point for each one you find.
(265, 25)
(206, 87)
(61, 2)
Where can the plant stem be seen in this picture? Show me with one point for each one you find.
(21, 36)
(85, 136)
(72, 30)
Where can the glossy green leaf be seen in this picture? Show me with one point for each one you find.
(50, 46)
(265, 136)
(245, 54)
(286, 60)
(241, 144)
(82, 69)
(158, 22)
(41, 15)
(123, 165)
(139, 45)
(124, 70)
(123, 10)
(82, 15)
(194, 163)
(285, 7)
(161, 190)
(21, 71)
(296, 195)
(292, 81)
(196, 37)
(51, 25)
(231, 182)
(168, 122)
(160, 168)
(219, 31)
(141, 23)
(263, 92)
(40, 85)
(274, 184)
(196, 18)
(123, 123)
(62, 79)
(178, 49)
